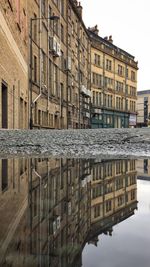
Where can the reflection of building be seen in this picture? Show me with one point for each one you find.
(143, 169)
(143, 108)
(113, 193)
(70, 202)
(13, 199)
(114, 84)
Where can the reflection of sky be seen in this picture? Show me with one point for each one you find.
(130, 243)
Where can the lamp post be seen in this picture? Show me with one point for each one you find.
(54, 18)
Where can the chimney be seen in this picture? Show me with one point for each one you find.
(79, 8)
(75, 2)
(94, 29)
(110, 39)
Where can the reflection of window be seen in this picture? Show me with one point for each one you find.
(108, 205)
(97, 211)
(43, 7)
(133, 194)
(120, 200)
(145, 165)
(4, 174)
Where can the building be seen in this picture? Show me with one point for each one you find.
(46, 66)
(143, 108)
(78, 75)
(13, 65)
(113, 84)
(60, 57)
(143, 169)
(48, 52)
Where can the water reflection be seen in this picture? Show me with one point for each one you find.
(50, 208)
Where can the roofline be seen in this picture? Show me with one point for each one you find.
(79, 17)
(97, 37)
(143, 92)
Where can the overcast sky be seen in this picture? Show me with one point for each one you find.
(128, 21)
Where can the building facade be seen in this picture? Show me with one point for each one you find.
(59, 57)
(113, 84)
(78, 75)
(143, 108)
(48, 94)
(48, 69)
(13, 64)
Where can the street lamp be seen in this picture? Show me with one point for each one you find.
(53, 18)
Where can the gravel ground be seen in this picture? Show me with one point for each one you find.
(91, 143)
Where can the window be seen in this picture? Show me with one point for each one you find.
(62, 7)
(93, 97)
(127, 73)
(35, 69)
(55, 80)
(55, 26)
(108, 205)
(97, 60)
(43, 7)
(97, 210)
(120, 200)
(43, 67)
(132, 75)
(62, 33)
(35, 28)
(50, 14)
(108, 64)
(120, 70)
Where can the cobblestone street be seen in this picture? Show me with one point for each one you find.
(76, 143)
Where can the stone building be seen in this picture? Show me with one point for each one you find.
(143, 108)
(78, 75)
(113, 85)
(13, 64)
(48, 52)
(46, 66)
(59, 69)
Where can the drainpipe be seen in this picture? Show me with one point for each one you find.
(48, 93)
(79, 78)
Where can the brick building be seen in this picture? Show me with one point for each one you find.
(13, 64)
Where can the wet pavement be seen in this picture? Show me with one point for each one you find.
(75, 198)
(61, 212)
(92, 143)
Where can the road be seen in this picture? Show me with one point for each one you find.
(76, 143)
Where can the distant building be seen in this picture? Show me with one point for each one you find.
(113, 84)
(143, 169)
(143, 108)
